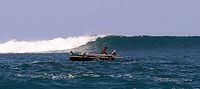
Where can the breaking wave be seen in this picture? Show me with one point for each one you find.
(14, 46)
(95, 43)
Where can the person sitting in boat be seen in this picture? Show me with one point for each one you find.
(104, 50)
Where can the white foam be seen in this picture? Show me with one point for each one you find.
(14, 46)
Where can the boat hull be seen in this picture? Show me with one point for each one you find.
(90, 58)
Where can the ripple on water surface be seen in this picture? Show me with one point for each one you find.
(54, 71)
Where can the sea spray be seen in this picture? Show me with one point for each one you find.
(93, 44)
(14, 46)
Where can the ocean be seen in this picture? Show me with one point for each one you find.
(149, 62)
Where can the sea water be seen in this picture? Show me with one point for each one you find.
(148, 62)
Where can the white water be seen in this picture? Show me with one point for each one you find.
(14, 46)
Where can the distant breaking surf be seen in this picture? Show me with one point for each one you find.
(92, 44)
(14, 46)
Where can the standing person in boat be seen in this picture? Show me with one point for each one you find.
(104, 50)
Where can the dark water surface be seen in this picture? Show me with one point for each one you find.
(139, 69)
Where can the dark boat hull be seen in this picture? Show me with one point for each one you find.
(90, 58)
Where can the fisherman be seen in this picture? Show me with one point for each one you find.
(103, 51)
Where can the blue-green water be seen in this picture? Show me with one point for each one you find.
(162, 66)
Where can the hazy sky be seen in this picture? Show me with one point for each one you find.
(47, 19)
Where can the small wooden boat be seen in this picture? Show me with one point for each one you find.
(91, 57)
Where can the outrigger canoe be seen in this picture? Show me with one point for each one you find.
(92, 57)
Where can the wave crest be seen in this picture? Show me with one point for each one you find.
(14, 46)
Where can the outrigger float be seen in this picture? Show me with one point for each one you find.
(92, 57)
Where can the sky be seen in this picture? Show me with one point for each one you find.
(47, 19)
